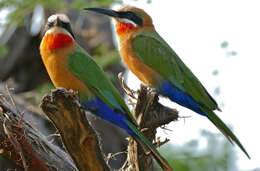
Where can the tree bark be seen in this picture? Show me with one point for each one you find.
(79, 138)
(31, 149)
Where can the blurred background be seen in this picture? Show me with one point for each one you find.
(218, 41)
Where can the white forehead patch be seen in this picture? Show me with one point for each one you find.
(62, 17)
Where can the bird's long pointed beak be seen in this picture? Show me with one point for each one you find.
(58, 22)
(104, 11)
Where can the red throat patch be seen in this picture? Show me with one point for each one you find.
(122, 27)
(54, 41)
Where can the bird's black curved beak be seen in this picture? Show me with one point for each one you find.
(66, 26)
(121, 14)
(58, 22)
(104, 11)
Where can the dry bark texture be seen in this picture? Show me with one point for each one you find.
(77, 135)
(23, 144)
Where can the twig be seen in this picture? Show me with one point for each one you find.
(126, 89)
(15, 144)
(150, 115)
(111, 156)
(161, 143)
(12, 99)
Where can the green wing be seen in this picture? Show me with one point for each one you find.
(156, 53)
(86, 69)
(81, 65)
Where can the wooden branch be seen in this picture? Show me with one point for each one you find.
(150, 115)
(78, 136)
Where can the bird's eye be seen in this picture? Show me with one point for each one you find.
(50, 24)
(130, 14)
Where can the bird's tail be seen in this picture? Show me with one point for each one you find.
(141, 139)
(224, 129)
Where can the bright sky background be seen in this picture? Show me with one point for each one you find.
(195, 30)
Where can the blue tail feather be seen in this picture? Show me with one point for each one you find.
(102, 110)
(169, 90)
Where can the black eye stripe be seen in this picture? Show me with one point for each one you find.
(67, 27)
(50, 24)
(131, 16)
(62, 24)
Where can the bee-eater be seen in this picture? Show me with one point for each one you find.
(69, 66)
(154, 62)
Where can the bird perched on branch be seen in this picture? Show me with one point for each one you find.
(69, 66)
(154, 62)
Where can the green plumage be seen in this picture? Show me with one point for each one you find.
(224, 129)
(83, 67)
(152, 50)
(86, 69)
(155, 52)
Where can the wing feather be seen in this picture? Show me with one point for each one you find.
(86, 69)
(156, 53)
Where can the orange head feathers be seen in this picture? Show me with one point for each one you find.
(128, 18)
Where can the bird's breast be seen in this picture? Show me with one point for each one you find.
(55, 62)
(145, 73)
(56, 41)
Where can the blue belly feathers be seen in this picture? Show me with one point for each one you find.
(100, 109)
(169, 90)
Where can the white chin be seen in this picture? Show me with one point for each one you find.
(127, 21)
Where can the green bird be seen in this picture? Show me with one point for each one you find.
(154, 62)
(69, 66)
